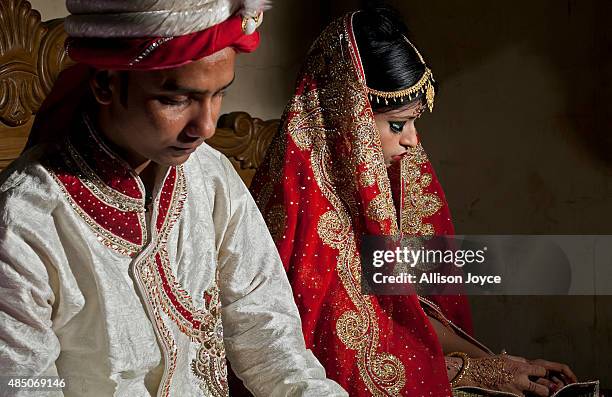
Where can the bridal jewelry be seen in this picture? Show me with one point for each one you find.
(424, 85)
(489, 372)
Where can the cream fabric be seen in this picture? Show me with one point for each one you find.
(71, 306)
(145, 18)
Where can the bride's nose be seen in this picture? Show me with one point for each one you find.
(409, 137)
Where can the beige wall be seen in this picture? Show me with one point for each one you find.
(50, 9)
(265, 78)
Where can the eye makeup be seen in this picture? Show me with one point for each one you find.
(396, 126)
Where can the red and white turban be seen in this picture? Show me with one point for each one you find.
(159, 34)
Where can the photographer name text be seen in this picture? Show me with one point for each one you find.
(435, 278)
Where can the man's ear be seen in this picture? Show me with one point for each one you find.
(101, 83)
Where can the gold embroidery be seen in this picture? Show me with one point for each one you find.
(377, 208)
(210, 364)
(389, 371)
(276, 219)
(307, 123)
(351, 329)
(382, 373)
(104, 236)
(146, 280)
(165, 295)
(417, 204)
(333, 229)
(104, 192)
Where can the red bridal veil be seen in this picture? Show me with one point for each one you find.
(323, 185)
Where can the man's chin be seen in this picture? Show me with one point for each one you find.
(174, 159)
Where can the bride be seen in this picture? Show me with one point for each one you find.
(346, 148)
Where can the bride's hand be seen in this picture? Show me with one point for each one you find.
(505, 373)
(558, 374)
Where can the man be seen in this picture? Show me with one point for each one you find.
(132, 258)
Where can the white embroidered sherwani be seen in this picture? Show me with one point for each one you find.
(122, 301)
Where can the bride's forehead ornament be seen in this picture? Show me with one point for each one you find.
(423, 86)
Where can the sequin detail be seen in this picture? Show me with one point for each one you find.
(210, 365)
(276, 220)
(147, 51)
(382, 372)
(115, 214)
(417, 204)
(166, 296)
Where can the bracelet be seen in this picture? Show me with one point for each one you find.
(464, 367)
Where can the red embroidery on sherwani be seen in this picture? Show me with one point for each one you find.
(202, 325)
(170, 287)
(165, 198)
(102, 189)
(122, 224)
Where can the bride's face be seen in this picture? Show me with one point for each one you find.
(397, 130)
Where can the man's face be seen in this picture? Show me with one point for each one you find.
(165, 115)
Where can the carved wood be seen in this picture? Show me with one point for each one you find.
(244, 140)
(32, 56)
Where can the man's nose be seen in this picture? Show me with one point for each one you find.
(409, 138)
(203, 122)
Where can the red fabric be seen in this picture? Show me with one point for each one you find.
(417, 188)
(322, 186)
(122, 54)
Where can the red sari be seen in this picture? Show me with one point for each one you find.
(323, 185)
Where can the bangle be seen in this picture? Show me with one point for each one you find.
(464, 367)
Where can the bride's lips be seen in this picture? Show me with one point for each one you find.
(398, 157)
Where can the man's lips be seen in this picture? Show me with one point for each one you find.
(193, 145)
(185, 149)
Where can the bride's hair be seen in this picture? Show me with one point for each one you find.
(389, 61)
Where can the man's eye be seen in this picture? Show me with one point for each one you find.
(396, 126)
(174, 101)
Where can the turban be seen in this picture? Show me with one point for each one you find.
(158, 34)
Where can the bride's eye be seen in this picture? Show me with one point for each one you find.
(396, 126)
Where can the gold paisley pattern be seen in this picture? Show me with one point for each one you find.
(358, 330)
(308, 122)
(210, 365)
(416, 203)
(351, 329)
(333, 229)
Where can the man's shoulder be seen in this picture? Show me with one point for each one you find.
(210, 160)
(27, 179)
(206, 153)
